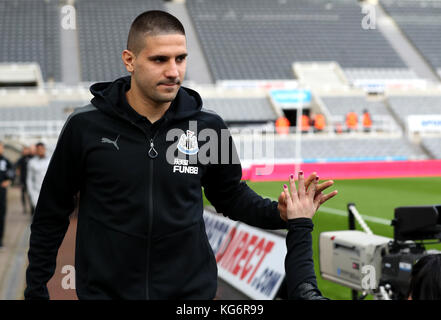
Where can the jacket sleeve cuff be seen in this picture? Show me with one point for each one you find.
(296, 223)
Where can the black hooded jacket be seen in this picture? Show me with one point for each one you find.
(140, 234)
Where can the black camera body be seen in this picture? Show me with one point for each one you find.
(410, 224)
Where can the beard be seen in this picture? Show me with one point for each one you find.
(160, 94)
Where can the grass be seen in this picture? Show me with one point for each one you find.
(372, 197)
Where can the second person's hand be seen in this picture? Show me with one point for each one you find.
(304, 200)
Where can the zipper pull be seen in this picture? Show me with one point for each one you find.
(152, 152)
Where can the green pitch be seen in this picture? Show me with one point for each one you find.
(373, 197)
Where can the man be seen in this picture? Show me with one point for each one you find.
(37, 168)
(319, 122)
(133, 157)
(22, 169)
(6, 177)
(305, 123)
(351, 121)
(367, 121)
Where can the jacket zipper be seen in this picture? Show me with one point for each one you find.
(152, 155)
(149, 235)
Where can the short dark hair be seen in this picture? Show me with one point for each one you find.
(425, 283)
(154, 22)
(39, 144)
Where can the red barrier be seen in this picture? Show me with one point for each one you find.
(349, 170)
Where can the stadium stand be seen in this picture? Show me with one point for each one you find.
(333, 149)
(242, 110)
(339, 106)
(432, 145)
(353, 74)
(405, 105)
(36, 121)
(420, 21)
(55, 111)
(29, 33)
(103, 26)
(261, 39)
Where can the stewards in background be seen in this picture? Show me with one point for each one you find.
(351, 121)
(305, 123)
(37, 168)
(21, 169)
(367, 121)
(319, 122)
(282, 126)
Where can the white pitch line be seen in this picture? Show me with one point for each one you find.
(343, 213)
(365, 217)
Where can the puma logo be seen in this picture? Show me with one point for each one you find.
(106, 140)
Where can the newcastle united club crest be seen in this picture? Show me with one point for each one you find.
(188, 143)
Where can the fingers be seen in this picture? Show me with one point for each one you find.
(313, 188)
(301, 191)
(287, 195)
(328, 196)
(323, 186)
(310, 179)
(292, 184)
(281, 198)
(282, 207)
(318, 197)
(321, 198)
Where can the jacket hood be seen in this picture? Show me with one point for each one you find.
(109, 98)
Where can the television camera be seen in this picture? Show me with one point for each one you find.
(378, 265)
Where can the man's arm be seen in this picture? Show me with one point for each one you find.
(231, 196)
(239, 202)
(51, 217)
(10, 175)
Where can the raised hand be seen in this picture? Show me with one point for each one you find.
(307, 189)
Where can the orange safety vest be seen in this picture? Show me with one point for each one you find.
(351, 120)
(305, 122)
(367, 121)
(319, 122)
(282, 125)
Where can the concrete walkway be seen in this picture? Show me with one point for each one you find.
(14, 260)
(13, 255)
